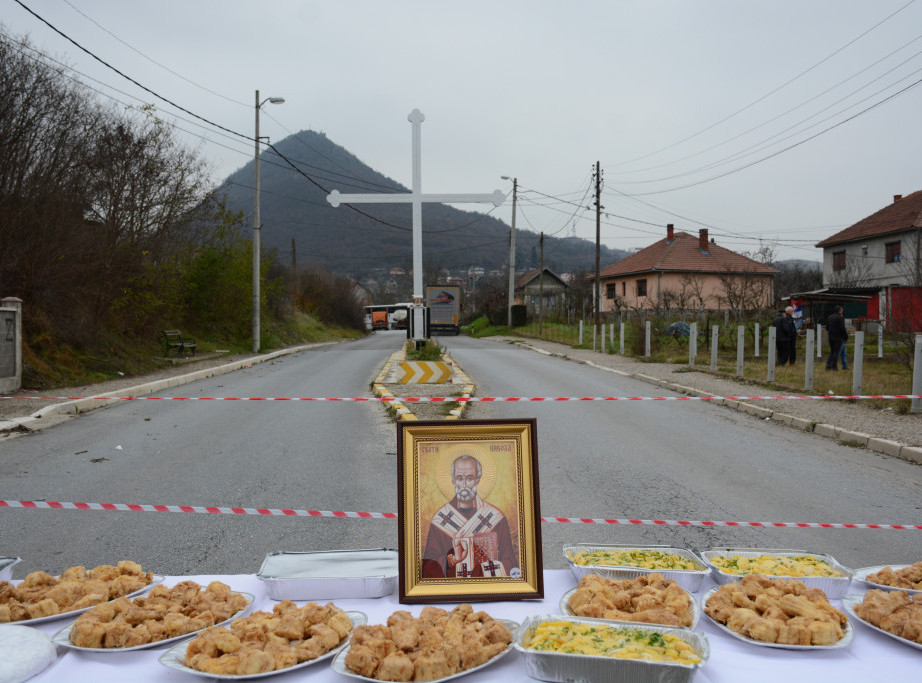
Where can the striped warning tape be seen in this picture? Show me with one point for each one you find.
(470, 399)
(278, 512)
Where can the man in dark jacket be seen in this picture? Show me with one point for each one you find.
(782, 337)
(790, 329)
(838, 335)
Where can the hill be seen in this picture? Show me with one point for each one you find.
(346, 241)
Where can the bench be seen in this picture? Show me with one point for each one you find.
(173, 340)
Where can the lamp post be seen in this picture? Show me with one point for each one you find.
(256, 223)
(515, 188)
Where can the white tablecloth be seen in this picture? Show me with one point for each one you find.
(870, 657)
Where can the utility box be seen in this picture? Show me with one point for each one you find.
(10, 344)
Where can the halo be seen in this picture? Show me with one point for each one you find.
(479, 453)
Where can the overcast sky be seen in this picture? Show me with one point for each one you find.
(704, 113)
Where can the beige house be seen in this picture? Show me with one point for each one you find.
(530, 288)
(682, 271)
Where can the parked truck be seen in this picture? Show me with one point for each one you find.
(444, 303)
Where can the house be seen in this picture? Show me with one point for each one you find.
(529, 289)
(882, 255)
(686, 272)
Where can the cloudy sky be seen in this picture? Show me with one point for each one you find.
(776, 122)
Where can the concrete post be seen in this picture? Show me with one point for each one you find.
(692, 343)
(580, 332)
(757, 339)
(880, 341)
(740, 349)
(621, 325)
(646, 346)
(917, 375)
(611, 335)
(858, 364)
(10, 344)
(715, 335)
(808, 362)
(602, 346)
(819, 340)
(772, 350)
(595, 331)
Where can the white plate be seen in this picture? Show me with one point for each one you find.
(696, 610)
(850, 601)
(339, 663)
(155, 579)
(844, 641)
(861, 575)
(175, 657)
(62, 637)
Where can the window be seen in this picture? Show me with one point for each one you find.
(864, 249)
(611, 290)
(624, 288)
(893, 252)
(642, 287)
(838, 260)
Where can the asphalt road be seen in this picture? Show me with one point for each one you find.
(670, 460)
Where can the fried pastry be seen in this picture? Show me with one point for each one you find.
(651, 599)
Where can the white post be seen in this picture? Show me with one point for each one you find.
(880, 341)
(594, 333)
(692, 343)
(772, 350)
(819, 340)
(715, 335)
(602, 346)
(740, 349)
(808, 364)
(646, 347)
(858, 364)
(917, 375)
(621, 347)
(580, 332)
(611, 334)
(256, 246)
(757, 339)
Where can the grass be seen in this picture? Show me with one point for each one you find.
(430, 351)
(881, 376)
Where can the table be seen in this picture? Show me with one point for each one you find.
(871, 655)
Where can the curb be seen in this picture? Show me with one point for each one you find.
(85, 405)
(401, 412)
(841, 435)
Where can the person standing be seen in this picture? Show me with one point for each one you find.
(791, 328)
(838, 335)
(782, 343)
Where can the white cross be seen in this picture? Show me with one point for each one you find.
(416, 197)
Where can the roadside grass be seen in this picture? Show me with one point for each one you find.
(881, 376)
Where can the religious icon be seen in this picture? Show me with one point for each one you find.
(469, 520)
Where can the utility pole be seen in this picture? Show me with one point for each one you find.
(515, 189)
(541, 290)
(598, 241)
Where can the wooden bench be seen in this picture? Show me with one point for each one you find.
(173, 340)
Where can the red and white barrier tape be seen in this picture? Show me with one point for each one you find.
(273, 512)
(470, 399)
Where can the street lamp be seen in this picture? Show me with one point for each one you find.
(515, 188)
(256, 224)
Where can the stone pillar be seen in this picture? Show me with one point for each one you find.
(10, 344)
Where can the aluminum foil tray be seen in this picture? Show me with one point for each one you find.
(834, 586)
(555, 666)
(695, 608)
(689, 579)
(330, 574)
(6, 567)
(861, 576)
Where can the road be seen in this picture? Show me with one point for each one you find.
(670, 460)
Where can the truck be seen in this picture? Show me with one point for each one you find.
(444, 303)
(379, 320)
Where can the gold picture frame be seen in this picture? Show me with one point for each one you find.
(470, 524)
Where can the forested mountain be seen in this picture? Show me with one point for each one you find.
(346, 241)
